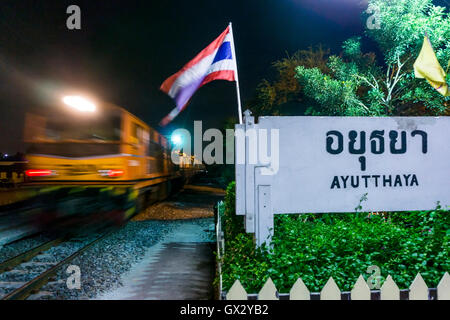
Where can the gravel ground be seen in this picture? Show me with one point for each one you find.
(10, 250)
(103, 264)
(180, 266)
(193, 202)
(40, 263)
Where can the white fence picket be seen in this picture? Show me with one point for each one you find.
(390, 290)
(299, 291)
(443, 288)
(361, 290)
(268, 291)
(237, 292)
(330, 291)
(418, 290)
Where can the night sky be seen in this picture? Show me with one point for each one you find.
(126, 49)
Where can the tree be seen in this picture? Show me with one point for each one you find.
(355, 86)
(272, 97)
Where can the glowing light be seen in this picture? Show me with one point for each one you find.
(38, 173)
(176, 139)
(112, 173)
(115, 173)
(79, 103)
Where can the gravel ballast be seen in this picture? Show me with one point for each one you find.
(11, 250)
(29, 270)
(103, 264)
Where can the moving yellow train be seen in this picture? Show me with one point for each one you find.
(79, 145)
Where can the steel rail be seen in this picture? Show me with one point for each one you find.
(38, 282)
(28, 255)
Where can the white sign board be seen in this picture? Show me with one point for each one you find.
(335, 164)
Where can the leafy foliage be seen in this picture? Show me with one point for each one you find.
(358, 88)
(233, 224)
(403, 25)
(331, 95)
(271, 96)
(353, 84)
(315, 247)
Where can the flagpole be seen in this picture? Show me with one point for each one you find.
(236, 75)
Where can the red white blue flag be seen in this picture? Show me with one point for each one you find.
(215, 62)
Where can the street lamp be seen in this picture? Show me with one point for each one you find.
(79, 103)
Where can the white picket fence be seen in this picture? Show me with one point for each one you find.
(418, 290)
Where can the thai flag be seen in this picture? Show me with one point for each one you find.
(215, 62)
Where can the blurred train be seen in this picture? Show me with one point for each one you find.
(105, 159)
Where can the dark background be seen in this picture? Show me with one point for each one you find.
(126, 49)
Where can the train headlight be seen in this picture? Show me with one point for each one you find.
(79, 103)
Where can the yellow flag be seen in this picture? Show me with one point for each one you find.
(427, 67)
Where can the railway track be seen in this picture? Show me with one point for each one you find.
(26, 273)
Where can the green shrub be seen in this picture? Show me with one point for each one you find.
(342, 246)
(232, 224)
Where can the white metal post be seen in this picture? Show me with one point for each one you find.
(233, 52)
